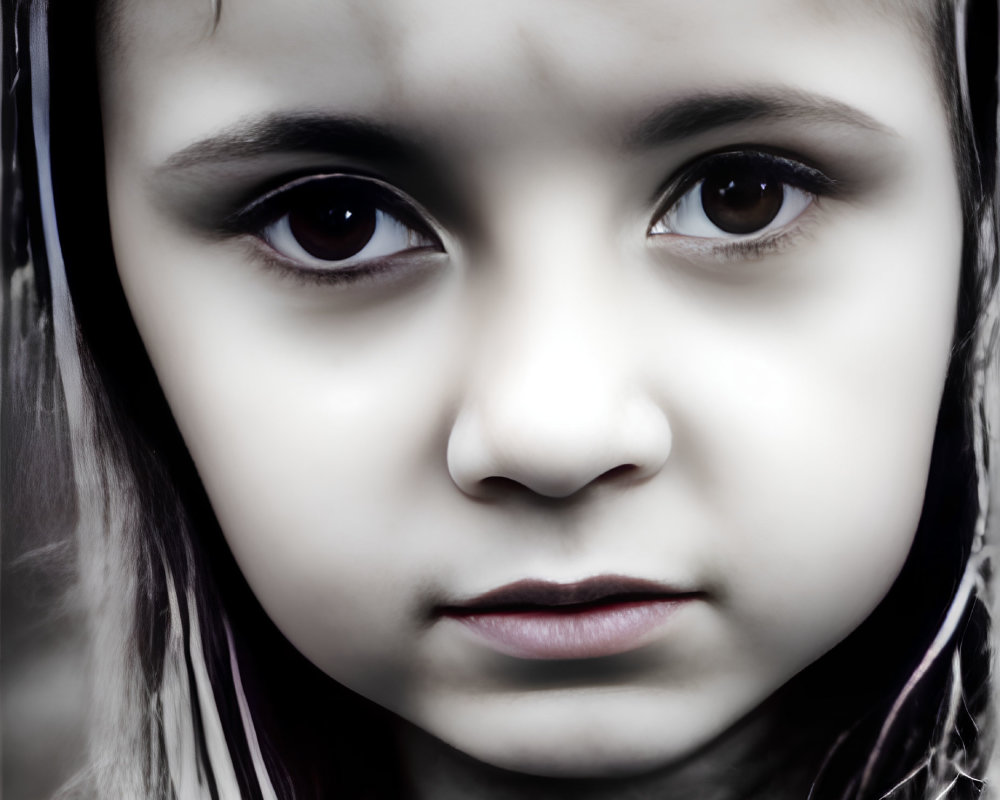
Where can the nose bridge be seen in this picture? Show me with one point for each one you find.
(549, 265)
(550, 364)
(553, 400)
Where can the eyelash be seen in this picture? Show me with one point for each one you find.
(788, 173)
(269, 218)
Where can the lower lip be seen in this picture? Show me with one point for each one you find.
(589, 632)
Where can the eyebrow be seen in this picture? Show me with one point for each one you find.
(698, 114)
(680, 119)
(316, 133)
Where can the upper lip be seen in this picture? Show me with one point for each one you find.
(538, 594)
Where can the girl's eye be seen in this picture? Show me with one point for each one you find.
(337, 223)
(740, 196)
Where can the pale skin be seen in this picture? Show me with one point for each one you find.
(549, 382)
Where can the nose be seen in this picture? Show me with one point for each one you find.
(555, 405)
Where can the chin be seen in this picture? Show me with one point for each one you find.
(577, 754)
(580, 734)
(575, 765)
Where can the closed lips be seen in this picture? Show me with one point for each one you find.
(594, 618)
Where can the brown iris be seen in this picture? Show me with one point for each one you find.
(332, 226)
(741, 198)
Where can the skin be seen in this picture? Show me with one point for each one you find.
(556, 393)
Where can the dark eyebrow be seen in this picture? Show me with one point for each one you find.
(207, 180)
(305, 133)
(700, 113)
(351, 136)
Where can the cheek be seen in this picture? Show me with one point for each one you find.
(814, 434)
(312, 427)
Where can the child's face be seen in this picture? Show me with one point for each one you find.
(546, 331)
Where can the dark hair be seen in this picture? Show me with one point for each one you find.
(904, 700)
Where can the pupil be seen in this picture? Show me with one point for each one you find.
(332, 229)
(741, 199)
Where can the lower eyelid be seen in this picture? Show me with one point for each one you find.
(723, 251)
(396, 269)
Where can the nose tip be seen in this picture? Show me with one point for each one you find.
(558, 453)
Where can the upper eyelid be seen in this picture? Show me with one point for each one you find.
(261, 210)
(687, 176)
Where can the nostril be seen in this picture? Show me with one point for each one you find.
(495, 484)
(621, 471)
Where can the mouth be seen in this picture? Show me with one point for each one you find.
(601, 616)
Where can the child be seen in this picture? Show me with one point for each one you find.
(536, 400)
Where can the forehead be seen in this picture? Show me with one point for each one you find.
(408, 42)
(481, 68)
